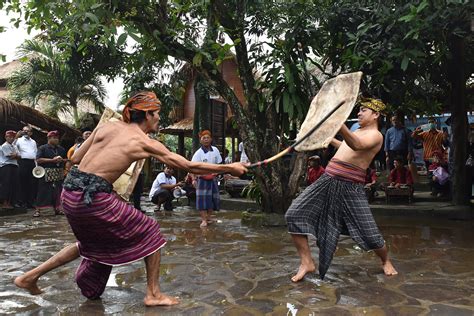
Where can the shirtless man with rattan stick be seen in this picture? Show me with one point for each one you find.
(109, 231)
(336, 203)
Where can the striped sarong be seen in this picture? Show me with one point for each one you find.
(336, 203)
(207, 195)
(109, 232)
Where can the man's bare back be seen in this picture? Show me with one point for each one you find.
(110, 150)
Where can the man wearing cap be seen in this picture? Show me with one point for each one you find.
(110, 231)
(28, 149)
(9, 156)
(337, 203)
(207, 190)
(51, 157)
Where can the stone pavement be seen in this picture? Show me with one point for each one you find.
(232, 269)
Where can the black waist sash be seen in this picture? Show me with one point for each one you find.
(88, 183)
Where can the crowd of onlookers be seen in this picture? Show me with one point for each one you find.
(30, 175)
(405, 153)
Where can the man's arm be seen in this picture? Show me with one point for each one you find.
(159, 151)
(168, 186)
(41, 160)
(335, 143)
(417, 133)
(357, 143)
(81, 151)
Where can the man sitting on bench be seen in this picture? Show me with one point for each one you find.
(400, 176)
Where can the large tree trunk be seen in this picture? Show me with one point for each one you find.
(75, 113)
(457, 77)
(281, 183)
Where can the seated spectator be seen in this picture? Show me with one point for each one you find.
(370, 182)
(400, 175)
(162, 189)
(315, 170)
(438, 175)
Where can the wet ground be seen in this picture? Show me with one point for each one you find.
(236, 270)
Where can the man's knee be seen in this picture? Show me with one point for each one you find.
(91, 278)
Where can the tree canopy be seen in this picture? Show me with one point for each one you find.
(283, 50)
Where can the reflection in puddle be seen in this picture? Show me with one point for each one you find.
(292, 310)
(232, 269)
(112, 282)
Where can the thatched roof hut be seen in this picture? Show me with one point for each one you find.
(6, 71)
(13, 116)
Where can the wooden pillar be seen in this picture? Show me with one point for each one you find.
(181, 150)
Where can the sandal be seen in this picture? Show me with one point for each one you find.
(58, 212)
(36, 214)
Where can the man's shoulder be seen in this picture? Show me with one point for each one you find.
(372, 132)
(198, 151)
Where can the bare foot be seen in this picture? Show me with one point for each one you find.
(203, 224)
(28, 284)
(388, 268)
(303, 269)
(160, 299)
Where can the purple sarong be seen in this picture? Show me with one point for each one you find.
(109, 231)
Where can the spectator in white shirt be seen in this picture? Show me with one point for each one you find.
(162, 189)
(207, 190)
(9, 156)
(28, 150)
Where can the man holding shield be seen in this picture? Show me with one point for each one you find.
(337, 203)
(109, 231)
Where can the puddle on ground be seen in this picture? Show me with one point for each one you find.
(232, 269)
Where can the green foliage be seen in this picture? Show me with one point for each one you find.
(282, 48)
(253, 191)
(402, 47)
(46, 74)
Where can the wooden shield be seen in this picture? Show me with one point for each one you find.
(343, 88)
(126, 182)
